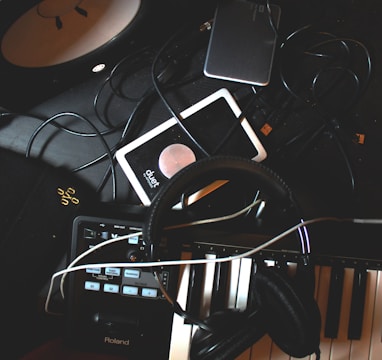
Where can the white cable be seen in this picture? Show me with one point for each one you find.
(124, 237)
(92, 249)
(217, 219)
(72, 268)
(368, 221)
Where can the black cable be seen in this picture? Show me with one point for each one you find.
(171, 64)
(133, 115)
(271, 20)
(344, 42)
(176, 306)
(140, 60)
(367, 55)
(143, 58)
(341, 71)
(122, 140)
(147, 95)
(314, 101)
(75, 133)
(88, 122)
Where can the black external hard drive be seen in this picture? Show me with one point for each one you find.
(242, 42)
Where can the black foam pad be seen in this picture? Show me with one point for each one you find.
(292, 315)
(233, 332)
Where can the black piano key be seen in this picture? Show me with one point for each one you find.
(281, 265)
(357, 304)
(305, 274)
(251, 294)
(194, 293)
(219, 290)
(334, 302)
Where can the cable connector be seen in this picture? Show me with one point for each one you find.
(359, 138)
(206, 26)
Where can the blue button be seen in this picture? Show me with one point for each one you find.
(113, 271)
(148, 292)
(132, 273)
(111, 288)
(130, 290)
(92, 285)
(93, 270)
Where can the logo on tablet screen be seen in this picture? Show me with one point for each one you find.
(149, 175)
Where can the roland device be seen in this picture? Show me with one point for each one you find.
(242, 42)
(116, 309)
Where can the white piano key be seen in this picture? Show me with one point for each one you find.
(243, 285)
(209, 274)
(341, 345)
(181, 334)
(233, 282)
(291, 268)
(376, 338)
(360, 348)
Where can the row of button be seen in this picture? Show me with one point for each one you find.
(126, 289)
(112, 271)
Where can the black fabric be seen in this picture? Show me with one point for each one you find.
(38, 204)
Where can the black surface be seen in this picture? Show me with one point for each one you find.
(314, 167)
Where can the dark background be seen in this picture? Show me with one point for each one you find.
(314, 144)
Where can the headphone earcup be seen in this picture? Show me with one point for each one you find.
(293, 319)
(233, 332)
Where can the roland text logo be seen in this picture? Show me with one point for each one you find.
(115, 341)
(149, 175)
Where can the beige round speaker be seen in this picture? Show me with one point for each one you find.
(47, 46)
(54, 32)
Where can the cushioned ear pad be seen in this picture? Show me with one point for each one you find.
(249, 173)
(234, 331)
(292, 316)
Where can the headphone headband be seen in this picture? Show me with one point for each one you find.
(208, 170)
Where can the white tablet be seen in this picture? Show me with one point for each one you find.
(150, 160)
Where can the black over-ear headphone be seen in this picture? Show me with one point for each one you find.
(285, 308)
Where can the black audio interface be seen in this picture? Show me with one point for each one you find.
(114, 306)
